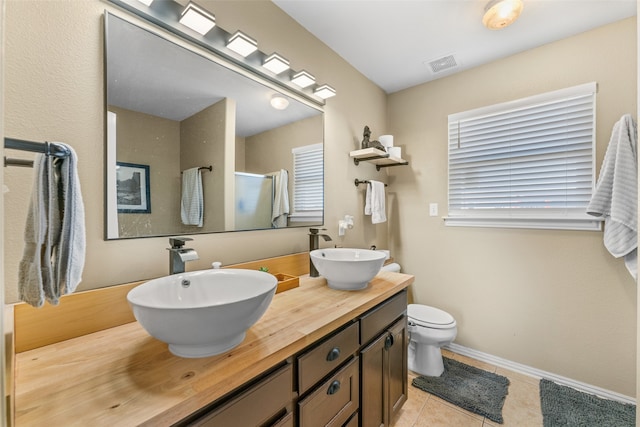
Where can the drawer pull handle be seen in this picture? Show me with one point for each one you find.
(334, 387)
(333, 354)
(388, 342)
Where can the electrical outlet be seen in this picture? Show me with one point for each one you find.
(433, 209)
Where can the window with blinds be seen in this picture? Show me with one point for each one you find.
(308, 183)
(527, 163)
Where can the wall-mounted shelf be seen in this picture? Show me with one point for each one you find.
(378, 157)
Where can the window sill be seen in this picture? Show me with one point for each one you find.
(582, 224)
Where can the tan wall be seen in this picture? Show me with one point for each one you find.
(270, 151)
(202, 138)
(157, 145)
(55, 91)
(240, 153)
(554, 300)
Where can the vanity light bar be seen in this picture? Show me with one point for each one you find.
(198, 19)
(174, 17)
(303, 79)
(242, 44)
(325, 91)
(276, 63)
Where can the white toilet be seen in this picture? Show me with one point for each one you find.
(429, 329)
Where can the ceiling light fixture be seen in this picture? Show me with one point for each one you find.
(501, 13)
(279, 102)
(242, 44)
(325, 91)
(198, 19)
(303, 79)
(146, 2)
(276, 63)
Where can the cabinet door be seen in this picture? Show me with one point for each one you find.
(397, 368)
(372, 375)
(333, 402)
(384, 376)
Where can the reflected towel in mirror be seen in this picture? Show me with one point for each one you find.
(280, 199)
(192, 206)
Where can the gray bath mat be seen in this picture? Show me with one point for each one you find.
(470, 388)
(564, 406)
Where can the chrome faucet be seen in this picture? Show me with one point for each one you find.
(179, 255)
(314, 243)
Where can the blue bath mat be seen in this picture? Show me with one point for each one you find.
(470, 388)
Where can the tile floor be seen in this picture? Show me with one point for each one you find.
(521, 408)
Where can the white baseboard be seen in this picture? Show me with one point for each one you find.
(538, 373)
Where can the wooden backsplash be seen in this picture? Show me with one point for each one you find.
(90, 311)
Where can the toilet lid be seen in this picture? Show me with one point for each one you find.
(430, 317)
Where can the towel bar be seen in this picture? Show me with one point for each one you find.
(18, 162)
(210, 168)
(365, 181)
(47, 148)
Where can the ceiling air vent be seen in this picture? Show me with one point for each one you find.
(442, 64)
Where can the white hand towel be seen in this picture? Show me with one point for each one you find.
(192, 206)
(375, 202)
(616, 194)
(281, 199)
(55, 238)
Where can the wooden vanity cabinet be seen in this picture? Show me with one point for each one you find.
(384, 373)
(354, 376)
(380, 371)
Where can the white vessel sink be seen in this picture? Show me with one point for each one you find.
(347, 269)
(202, 313)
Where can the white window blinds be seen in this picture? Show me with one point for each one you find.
(308, 188)
(525, 163)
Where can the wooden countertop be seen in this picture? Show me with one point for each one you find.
(123, 376)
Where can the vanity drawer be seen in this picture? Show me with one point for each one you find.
(382, 316)
(334, 401)
(257, 405)
(318, 362)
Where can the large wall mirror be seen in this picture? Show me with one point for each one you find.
(169, 110)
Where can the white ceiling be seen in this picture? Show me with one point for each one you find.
(392, 41)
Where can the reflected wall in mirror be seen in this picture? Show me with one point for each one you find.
(173, 109)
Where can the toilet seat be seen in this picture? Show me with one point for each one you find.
(430, 317)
